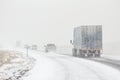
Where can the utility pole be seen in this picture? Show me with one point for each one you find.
(27, 47)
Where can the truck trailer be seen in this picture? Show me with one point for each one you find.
(87, 41)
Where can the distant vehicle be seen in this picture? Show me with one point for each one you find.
(50, 48)
(87, 41)
(34, 47)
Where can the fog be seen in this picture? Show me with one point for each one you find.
(52, 21)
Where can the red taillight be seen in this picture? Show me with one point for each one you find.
(101, 51)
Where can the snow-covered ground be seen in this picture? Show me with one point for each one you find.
(112, 56)
(17, 67)
(53, 66)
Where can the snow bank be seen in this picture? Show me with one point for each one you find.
(6, 56)
(16, 68)
(112, 56)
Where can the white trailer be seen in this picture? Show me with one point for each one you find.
(87, 41)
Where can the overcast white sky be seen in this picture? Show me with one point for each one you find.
(41, 21)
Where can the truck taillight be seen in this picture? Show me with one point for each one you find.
(101, 51)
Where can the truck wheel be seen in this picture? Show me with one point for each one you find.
(75, 54)
(82, 55)
(98, 55)
(90, 55)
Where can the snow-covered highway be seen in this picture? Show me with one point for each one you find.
(52, 66)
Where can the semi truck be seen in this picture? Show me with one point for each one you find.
(87, 41)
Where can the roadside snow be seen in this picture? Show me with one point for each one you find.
(112, 56)
(16, 68)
